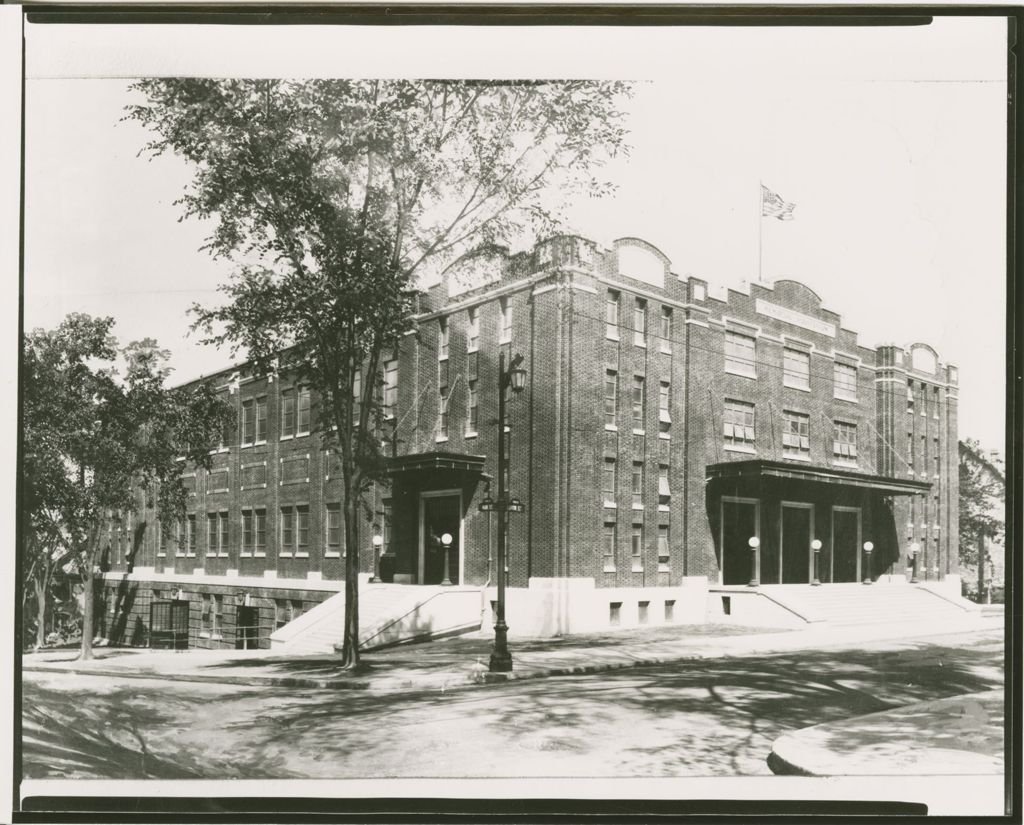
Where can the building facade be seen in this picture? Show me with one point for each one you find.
(664, 425)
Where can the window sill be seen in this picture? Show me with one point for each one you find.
(837, 462)
(664, 508)
(639, 507)
(637, 431)
(610, 505)
(330, 554)
(286, 437)
(641, 344)
(664, 568)
(220, 450)
(796, 387)
(666, 350)
(637, 568)
(793, 457)
(471, 350)
(503, 341)
(253, 487)
(741, 374)
(301, 555)
(220, 490)
(614, 338)
(609, 569)
(733, 448)
(441, 439)
(852, 400)
(470, 434)
(612, 428)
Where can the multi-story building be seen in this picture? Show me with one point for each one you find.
(663, 426)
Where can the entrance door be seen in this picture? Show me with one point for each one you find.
(796, 543)
(845, 544)
(739, 523)
(440, 513)
(247, 630)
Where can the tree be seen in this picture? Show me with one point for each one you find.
(333, 196)
(982, 493)
(99, 429)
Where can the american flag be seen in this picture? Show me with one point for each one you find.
(772, 206)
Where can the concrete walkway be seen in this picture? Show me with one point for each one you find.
(462, 661)
(959, 736)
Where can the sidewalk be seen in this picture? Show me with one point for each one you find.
(961, 735)
(462, 661)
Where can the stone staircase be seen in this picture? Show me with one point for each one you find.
(853, 604)
(389, 614)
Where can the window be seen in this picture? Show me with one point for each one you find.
(210, 616)
(608, 479)
(608, 546)
(162, 540)
(670, 610)
(611, 392)
(663, 554)
(938, 465)
(212, 534)
(357, 385)
(287, 531)
(636, 547)
(179, 538)
(739, 425)
(796, 369)
(254, 532)
(248, 421)
(303, 411)
(664, 394)
(638, 403)
(611, 315)
(386, 528)
(796, 441)
(333, 526)
(739, 354)
(261, 419)
(471, 408)
(910, 396)
(287, 413)
(190, 534)
(664, 449)
(442, 339)
(640, 323)
(910, 451)
(844, 443)
(442, 419)
(844, 382)
(217, 480)
(473, 330)
(506, 321)
(664, 491)
(643, 612)
(935, 403)
(638, 485)
(666, 329)
(226, 434)
(390, 387)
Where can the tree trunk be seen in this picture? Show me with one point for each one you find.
(87, 614)
(981, 567)
(40, 586)
(350, 640)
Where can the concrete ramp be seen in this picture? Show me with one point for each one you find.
(795, 605)
(389, 614)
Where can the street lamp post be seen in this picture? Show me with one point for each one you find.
(446, 543)
(378, 542)
(515, 377)
(868, 547)
(754, 542)
(816, 547)
(915, 548)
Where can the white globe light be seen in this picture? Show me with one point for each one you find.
(446, 539)
(868, 546)
(816, 544)
(754, 542)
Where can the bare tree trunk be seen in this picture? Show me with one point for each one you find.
(350, 642)
(87, 614)
(981, 566)
(40, 587)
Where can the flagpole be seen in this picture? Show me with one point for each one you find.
(760, 224)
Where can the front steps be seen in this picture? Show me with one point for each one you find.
(795, 605)
(389, 614)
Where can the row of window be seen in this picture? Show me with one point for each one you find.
(610, 545)
(796, 366)
(924, 399)
(211, 612)
(638, 396)
(739, 433)
(640, 331)
(295, 418)
(293, 533)
(473, 329)
(922, 456)
(609, 483)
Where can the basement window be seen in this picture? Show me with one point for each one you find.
(615, 614)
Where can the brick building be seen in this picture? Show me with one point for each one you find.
(663, 425)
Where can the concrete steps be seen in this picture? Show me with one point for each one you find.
(389, 614)
(849, 604)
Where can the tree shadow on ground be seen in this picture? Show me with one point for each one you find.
(698, 718)
(110, 735)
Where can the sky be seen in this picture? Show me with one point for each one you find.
(890, 141)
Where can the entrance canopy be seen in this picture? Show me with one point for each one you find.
(826, 475)
(418, 462)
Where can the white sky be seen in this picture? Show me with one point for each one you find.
(891, 141)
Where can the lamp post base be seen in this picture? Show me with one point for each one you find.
(501, 659)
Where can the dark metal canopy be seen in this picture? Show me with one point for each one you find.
(436, 461)
(825, 475)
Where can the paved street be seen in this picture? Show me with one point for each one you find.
(692, 718)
